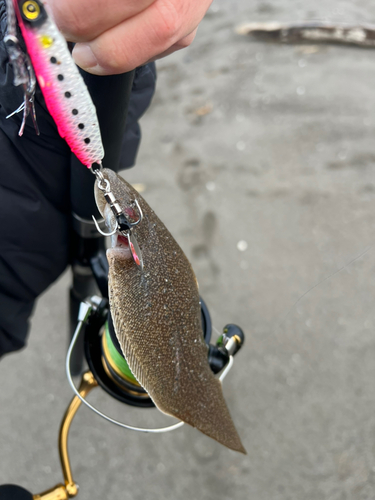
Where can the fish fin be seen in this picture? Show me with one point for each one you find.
(207, 412)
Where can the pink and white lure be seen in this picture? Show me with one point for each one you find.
(65, 93)
(64, 90)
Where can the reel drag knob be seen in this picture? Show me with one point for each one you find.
(232, 339)
(228, 344)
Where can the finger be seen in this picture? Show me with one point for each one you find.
(181, 44)
(84, 20)
(140, 38)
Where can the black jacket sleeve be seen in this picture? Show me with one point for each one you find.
(35, 201)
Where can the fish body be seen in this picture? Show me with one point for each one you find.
(63, 88)
(157, 319)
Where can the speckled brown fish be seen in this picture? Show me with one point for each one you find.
(157, 319)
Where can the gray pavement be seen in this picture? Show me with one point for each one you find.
(260, 160)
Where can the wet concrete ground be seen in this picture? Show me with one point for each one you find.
(259, 158)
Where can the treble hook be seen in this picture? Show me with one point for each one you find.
(132, 224)
(102, 232)
(118, 225)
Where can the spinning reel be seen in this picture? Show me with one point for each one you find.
(109, 370)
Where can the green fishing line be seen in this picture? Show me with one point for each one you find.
(118, 360)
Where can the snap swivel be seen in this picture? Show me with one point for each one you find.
(122, 224)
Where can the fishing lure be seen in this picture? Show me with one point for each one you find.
(63, 88)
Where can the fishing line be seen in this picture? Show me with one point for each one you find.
(216, 331)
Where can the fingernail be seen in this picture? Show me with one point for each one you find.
(84, 56)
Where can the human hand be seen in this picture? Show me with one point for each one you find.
(116, 36)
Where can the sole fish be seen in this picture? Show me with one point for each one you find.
(157, 319)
